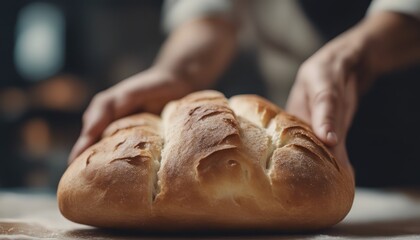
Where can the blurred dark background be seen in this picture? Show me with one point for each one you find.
(71, 49)
(55, 55)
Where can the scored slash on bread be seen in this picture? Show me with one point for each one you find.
(208, 163)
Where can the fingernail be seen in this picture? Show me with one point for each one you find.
(332, 137)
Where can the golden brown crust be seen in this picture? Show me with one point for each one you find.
(211, 163)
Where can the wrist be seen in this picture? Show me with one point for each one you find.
(351, 53)
(198, 51)
(176, 75)
(174, 80)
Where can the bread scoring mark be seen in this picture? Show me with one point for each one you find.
(209, 111)
(93, 152)
(142, 145)
(226, 140)
(156, 187)
(136, 160)
(156, 183)
(262, 117)
(231, 122)
(131, 127)
(119, 129)
(269, 161)
(119, 144)
(223, 177)
(266, 115)
(305, 150)
(274, 141)
(232, 163)
(210, 114)
(192, 111)
(326, 156)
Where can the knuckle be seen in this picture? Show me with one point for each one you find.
(328, 95)
(101, 102)
(87, 113)
(310, 65)
(85, 116)
(328, 119)
(125, 98)
(89, 131)
(310, 73)
(100, 97)
(303, 71)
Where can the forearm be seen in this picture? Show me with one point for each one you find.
(191, 59)
(327, 86)
(392, 41)
(198, 51)
(381, 43)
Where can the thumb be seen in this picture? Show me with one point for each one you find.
(324, 116)
(81, 144)
(96, 118)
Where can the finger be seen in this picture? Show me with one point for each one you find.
(324, 112)
(297, 104)
(96, 118)
(81, 145)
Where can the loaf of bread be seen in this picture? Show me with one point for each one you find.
(208, 163)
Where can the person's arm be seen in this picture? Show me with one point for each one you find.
(199, 51)
(192, 58)
(392, 41)
(328, 83)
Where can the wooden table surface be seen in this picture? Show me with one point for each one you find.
(376, 214)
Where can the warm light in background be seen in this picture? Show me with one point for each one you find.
(36, 137)
(63, 93)
(54, 56)
(13, 102)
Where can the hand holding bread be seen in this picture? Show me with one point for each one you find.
(147, 91)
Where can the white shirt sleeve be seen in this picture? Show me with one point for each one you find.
(175, 12)
(409, 7)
